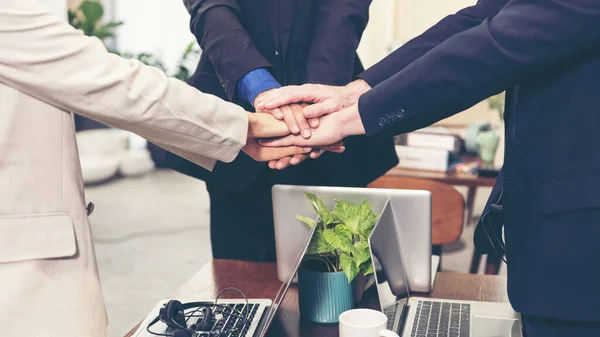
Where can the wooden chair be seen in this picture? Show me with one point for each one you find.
(448, 207)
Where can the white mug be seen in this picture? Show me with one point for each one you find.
(364, 323)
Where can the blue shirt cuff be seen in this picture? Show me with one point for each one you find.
(254, 83)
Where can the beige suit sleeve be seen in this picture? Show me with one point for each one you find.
(44, 57)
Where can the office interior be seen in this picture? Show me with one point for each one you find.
(151, 227)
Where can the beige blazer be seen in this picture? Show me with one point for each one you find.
(49, 283)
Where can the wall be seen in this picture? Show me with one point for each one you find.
(156, 26)
(58, 7)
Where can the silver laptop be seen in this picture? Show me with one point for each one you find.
(429, 317)
(261, 311)
(413, 221)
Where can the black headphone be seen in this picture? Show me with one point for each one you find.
(173, 314)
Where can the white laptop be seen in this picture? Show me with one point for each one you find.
(427, 317)
(413, 221)
(261, 312)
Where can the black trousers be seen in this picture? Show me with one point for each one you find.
(545, 327)
(242, 221)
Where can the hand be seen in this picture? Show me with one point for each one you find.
(266, 126)
(277, 154)
(294, 118)
(325, 99)
(297, 159)
(333, 129)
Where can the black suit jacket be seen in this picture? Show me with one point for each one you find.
(299, 41)
(547, 55)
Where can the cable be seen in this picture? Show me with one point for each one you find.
(223, 310)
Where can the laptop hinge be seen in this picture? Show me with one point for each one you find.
(403, 318)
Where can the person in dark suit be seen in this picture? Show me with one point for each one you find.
(546, 54)
(250, 47)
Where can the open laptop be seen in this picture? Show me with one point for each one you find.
(261, 311)
(413, 222)
(427, 317)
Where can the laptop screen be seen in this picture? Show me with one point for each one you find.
(390, 274)
(272, 310)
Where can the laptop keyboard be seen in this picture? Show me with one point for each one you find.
(391, 313)
(233, 326)
(442, 319)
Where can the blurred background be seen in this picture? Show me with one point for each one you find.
(151, 227)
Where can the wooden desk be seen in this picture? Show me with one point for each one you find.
(452, 178)
(259, 280)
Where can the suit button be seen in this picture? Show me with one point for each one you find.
(90, 208)
(381, 122)
(400, 113)
(276, 52)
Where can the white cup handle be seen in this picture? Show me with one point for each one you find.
(388, 333)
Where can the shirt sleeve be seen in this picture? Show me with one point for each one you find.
(42, 56)
(254, 83)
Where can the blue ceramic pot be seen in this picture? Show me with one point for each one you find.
(323, 297)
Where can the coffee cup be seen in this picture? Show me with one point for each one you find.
(364, 323)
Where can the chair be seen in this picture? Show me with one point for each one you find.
(492, 264)
(448, 207)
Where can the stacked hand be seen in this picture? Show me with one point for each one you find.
(300, 129)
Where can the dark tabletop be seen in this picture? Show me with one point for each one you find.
(259, 280)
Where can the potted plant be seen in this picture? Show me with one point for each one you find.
(332, 274)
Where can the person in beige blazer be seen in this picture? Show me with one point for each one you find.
(49, 284)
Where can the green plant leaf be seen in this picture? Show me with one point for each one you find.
(321, 209)
(367, 217)
(345, 212)
(367, 268)
(345, 233)
(72, 19)
(361, 252)
(338, 240)
(310, 222)
(349, 267)
(107, 30)
(92, 11)
(360, 218)
(318, 245)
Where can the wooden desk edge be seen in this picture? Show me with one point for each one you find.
(448, 285)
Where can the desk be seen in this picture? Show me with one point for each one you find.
(259, 280)
(451, 178)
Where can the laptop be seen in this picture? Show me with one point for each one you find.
(261, 312)
(428, 317)
(413, 221)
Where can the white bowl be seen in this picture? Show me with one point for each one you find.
(98, 168)
(136, 163)
(102, 142)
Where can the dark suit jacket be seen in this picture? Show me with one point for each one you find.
(547, 55)
(299, 41)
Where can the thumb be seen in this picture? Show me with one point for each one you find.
(265, 125)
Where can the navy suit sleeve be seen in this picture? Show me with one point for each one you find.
(464, 19)
(218, 27)
(339, 25)
(525, 39)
